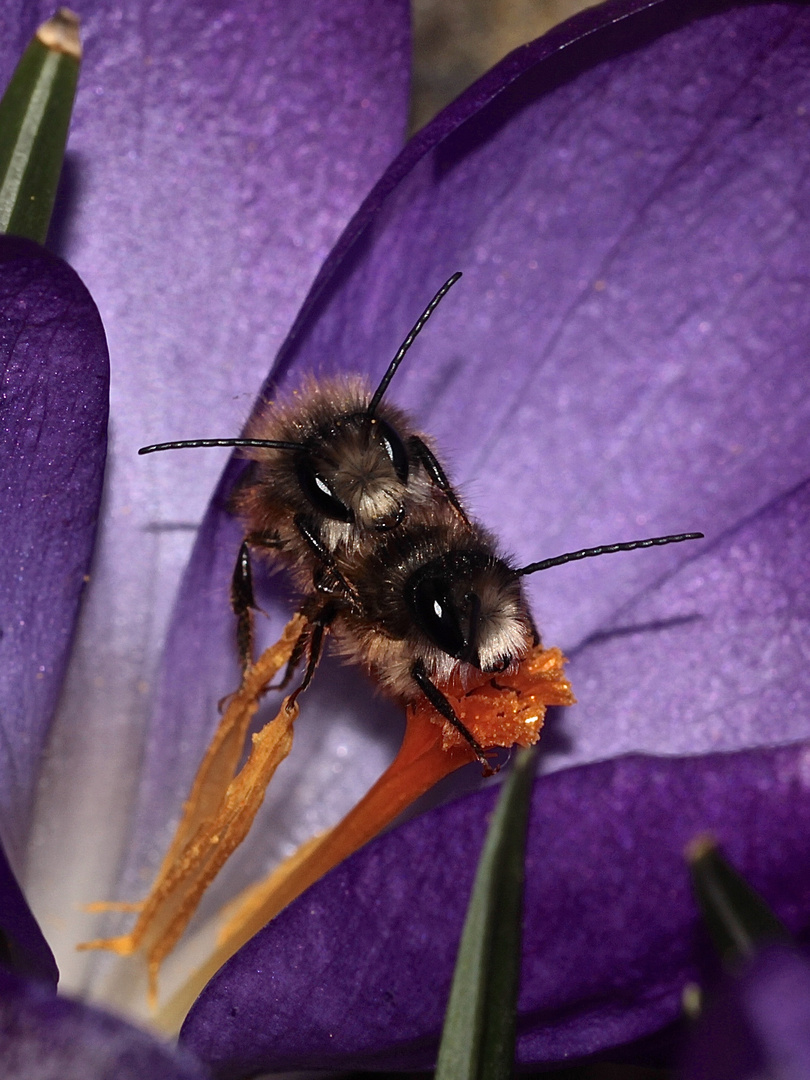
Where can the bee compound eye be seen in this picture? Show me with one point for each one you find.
(436, 614)
(394, 448)
(319, 493)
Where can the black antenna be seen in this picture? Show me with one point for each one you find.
(606, 549)
(409, 340)
(273, 444)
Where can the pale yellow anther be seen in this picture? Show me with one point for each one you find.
(216, 816)
(220, 809)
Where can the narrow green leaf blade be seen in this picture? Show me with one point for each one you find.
(737, 918)
(478, 1041)
(34, 120)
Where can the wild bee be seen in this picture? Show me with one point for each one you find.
(434, 605)
(334, 467)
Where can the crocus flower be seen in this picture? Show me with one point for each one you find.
(627, 355)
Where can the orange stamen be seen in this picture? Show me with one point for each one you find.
(505, 711)
(216, 817)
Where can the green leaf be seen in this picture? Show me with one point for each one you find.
(737, 918)
(478, 1040)
(34, 120)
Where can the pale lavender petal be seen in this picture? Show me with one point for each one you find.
(757, 1024)
(217, 151)
(44, 1037)
(54, 376)
(626, 355)
(356, 973)
(22, 946)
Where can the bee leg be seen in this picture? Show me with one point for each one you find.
(443, 706)
(298, 651)
(243, 601)
(332, 586)
(319, 626)
(311, 537)
(243, 604)
(436, 473)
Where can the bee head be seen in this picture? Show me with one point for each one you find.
(356, 472)
(471, 606)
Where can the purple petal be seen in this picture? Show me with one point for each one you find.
(216, 153)
(55, 379)
(758, 1024)
(24, 949)
(626, 355)
(610, 938)
(43, 1037)
(356, 973)
(711, 659)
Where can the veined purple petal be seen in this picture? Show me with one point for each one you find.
(44, 1037)
(711, 658)
(610, 925)
(626, 355)
(757, 1024)
(55, 384)
(24, 949)
(356, 973)
(217, 151)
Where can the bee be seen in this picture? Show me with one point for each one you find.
(333, 469)
(345, 493)
(435, 605)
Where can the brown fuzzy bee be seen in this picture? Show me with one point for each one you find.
(353, 501)
(333, 469)
(435, 598)
(433, 605)
(357, 475)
